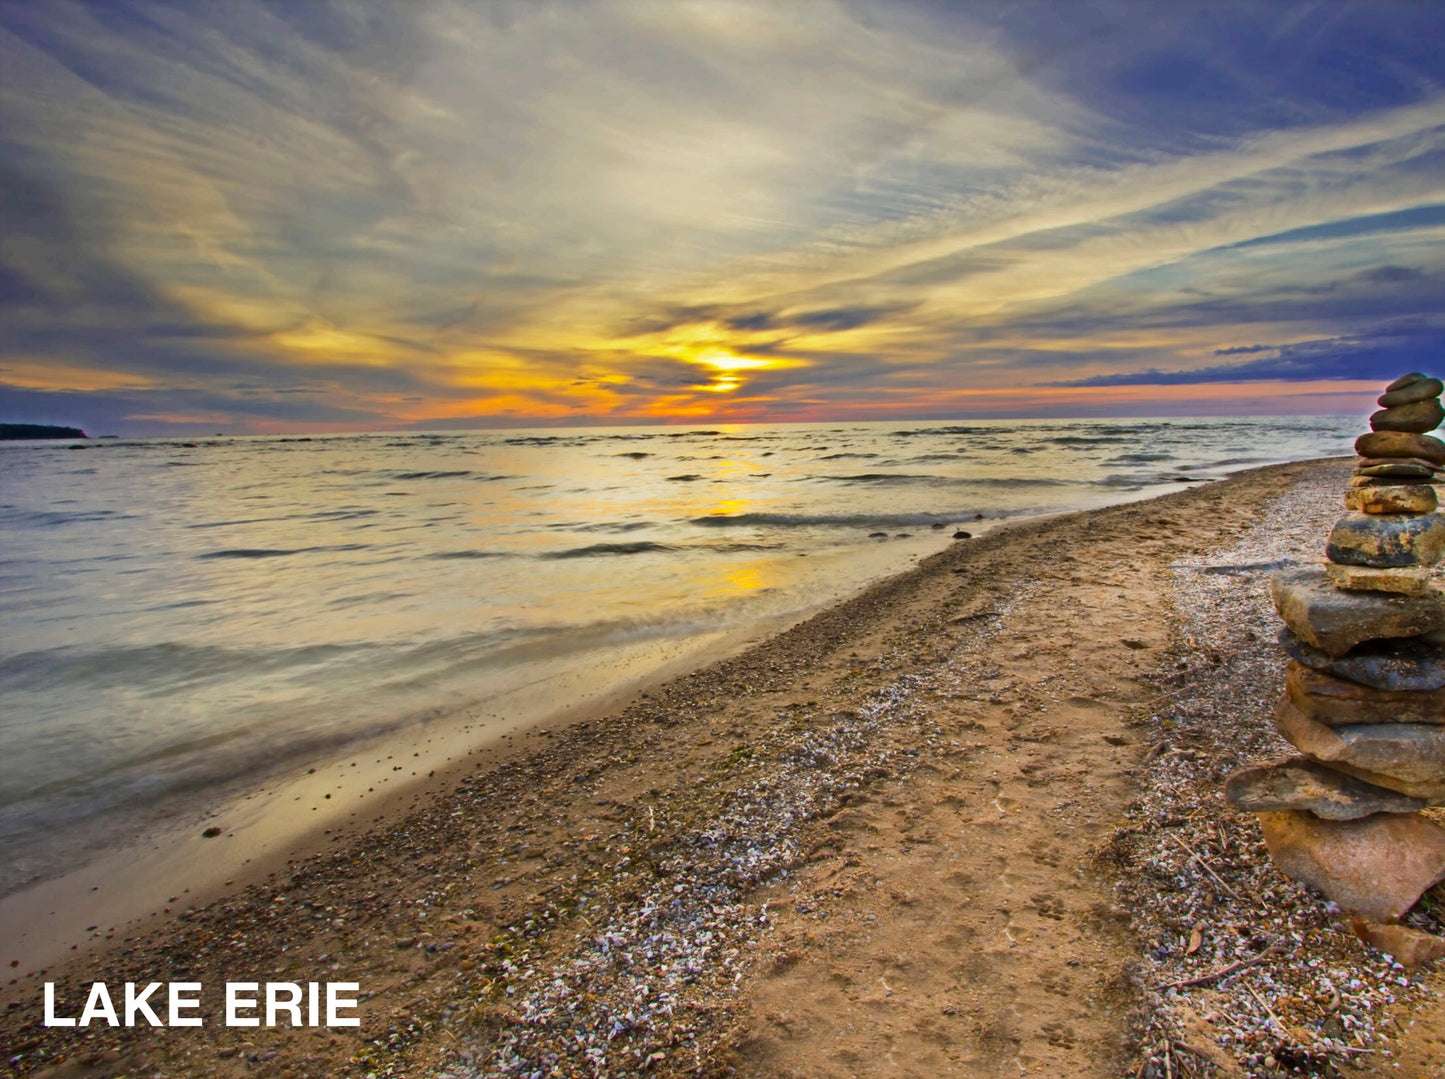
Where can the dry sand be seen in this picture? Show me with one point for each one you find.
(919, 834)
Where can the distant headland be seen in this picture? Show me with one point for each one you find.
(12, 431)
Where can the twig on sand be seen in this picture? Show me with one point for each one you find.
(1224, 972)
(1197, 859)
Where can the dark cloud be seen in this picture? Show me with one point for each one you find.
(1380, 356)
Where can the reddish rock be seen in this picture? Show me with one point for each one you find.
(1378, 866)
(1338, 702)
(1409, 753)
(1400, 444)
(1300, 783)
(1410, 948)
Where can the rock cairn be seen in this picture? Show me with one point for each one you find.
(1365, 696)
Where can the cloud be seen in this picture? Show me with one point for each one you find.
(427, 211)
(1378, 357)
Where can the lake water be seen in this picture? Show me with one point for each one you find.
(179, 615)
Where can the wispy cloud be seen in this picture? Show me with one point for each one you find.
(448, 212)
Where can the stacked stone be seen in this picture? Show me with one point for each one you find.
(1365, 696)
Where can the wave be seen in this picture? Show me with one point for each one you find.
(279, 552)
(847, 456)
(594, 549)
(452, 475)
(842, 520)
(444, 555)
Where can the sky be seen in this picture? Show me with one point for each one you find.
(303, 215)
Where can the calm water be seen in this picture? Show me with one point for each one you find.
(177, 614)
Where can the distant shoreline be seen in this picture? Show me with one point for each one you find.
(17, 432)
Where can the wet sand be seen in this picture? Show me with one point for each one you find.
(868, 842)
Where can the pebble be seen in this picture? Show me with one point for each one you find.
(1335, 621)
(1404, 498)
(1362, 539)
(1422, 389)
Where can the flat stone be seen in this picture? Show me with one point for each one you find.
(1338, 702)
(1400, 444)
(1419, 417)
(1404, 580)
(1411, 948)
(1406, 498)
(1412, 753)
(1405, 467)
(1404, 663)
(1377, 866)
(1387, 481)
(1421, 390)
(1363, 539)
(1300, 783)
(1335, 621)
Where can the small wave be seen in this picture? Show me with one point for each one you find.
(687, 478)
(942, 431)
(1140, 458)
(1086, 440)
(636, 455)
(847, 456)
(595, 549)
(279, 552)
(849, 520)
(1226, 462)
(454, 475)
(444, 555)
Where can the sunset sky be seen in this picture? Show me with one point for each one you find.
(306, 216)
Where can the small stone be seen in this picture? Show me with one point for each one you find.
(1413, 753)
(1410, 468)
(1404, 580)
(1388, 481)
(1420, 390)
(1362, 539)
(1419, 417)
(1404, 663)
(1411, 498)
(1407, 379)
(1378, 866)
(1411, 948)
(1400, 444)
(1338, 702)
(1300, 783)
(1336, 621)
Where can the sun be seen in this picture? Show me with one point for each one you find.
(720, 360)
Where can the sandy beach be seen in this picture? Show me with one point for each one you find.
(963, 823)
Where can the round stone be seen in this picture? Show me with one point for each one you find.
(1420, 417)
(1400, 444)
(1361, 539)
(1404, 380)
(1406, 498)
(1423, 390)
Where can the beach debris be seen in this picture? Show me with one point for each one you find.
(1365, 690)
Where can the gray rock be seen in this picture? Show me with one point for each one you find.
(1338, 702)
(1300, 783)
(1335, 621)
(1362, 539)
(1378, 866)
(1421, 390)
(1400, 444)
(1419, 417)
(1402, 664)
(1413, 753)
